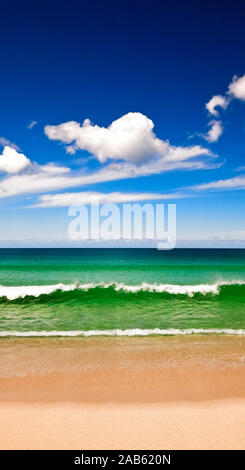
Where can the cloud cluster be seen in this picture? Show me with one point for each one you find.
(236, 90)
(127, 148)
(141, 154)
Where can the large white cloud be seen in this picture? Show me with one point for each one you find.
(12, 161)
(129, 138)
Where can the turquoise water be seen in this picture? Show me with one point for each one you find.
(133, 291)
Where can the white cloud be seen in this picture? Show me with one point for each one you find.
(11, 161)
(51, 169)
(217, 101)
(42, 179)
(31, 125)
(32, 183)
(237, 87)
(87, 197)
(238, 182)
(132, 147)
(214, 132)
(4, 142)
(129, 138)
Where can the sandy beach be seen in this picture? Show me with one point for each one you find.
(127, 393)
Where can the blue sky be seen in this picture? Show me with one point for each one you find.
(141, 75)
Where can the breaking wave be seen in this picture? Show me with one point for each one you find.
(20, 292)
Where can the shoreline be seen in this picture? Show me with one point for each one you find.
(128, 332)
(130, 370)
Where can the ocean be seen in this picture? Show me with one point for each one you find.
(86, 292)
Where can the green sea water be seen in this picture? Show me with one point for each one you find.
(121, 291)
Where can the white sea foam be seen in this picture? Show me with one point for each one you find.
(127, 332)
(15, 292)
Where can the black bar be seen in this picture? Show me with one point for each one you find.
(119, 458)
